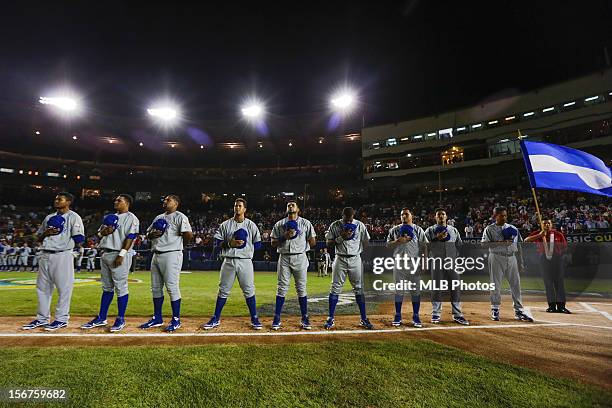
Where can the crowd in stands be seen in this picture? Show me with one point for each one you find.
(469, 211)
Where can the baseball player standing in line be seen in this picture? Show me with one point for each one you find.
(79, 259)
(407, 239)
(36, 255)
(117, 233)
(13, 255)
(348, 236)
(324, 262)
(502, 240)
(292, 237)
(24, 254)
(168, 234)
(91, 258)
(3, 255)
(445, 242)
(59, 232)
(238, 239)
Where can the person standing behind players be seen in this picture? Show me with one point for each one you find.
(238, 239)
(292, 236)
(348, 236)
(551, 245)
(324, 262)
(91, 258)
(168, 233)
(407, 239)
(117, 234)
(502, 240)
(444, 243)
(59, 232)
(3, 255)
(24, 254)
(36, 255)
(13, 256)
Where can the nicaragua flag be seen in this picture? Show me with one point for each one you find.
(563, 168)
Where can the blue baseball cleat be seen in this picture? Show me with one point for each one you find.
(397, 320)
(34, 324)
(95, 322)
(365, 323)
(256, 324)
(174, 325)
(56, 325)
(151, 323)
(305, 323)
(461, 320)
(495, 315)
(416, 321)
(212, 323)
(519, 315)
(276, 323)
(118, 325)
(435, 319)
(329, 323)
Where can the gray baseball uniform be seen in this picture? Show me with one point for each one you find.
(24, 254)
(348, 256)
(56, 268)
(411, 249)
(442, 250)
(502, 261)
(293, 259)
(116, 279)
(91, 258)
(167, 259)
(3, 261)
(237, 262)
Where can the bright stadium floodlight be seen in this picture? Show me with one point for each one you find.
(164, 113)
(344, 101)
(252, 111)
(61, 102)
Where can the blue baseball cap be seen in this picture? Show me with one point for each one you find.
(406, 229)
(242, 235)
(160, 224)
(111, 220)
(57, 222)
(509, 233)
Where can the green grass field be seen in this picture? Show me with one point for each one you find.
(400, 373)
(199, 291)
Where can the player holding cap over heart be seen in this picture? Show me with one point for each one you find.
(292, 237)
(117, 234)
(238, 239)
(168, 233)
(445, 242)
(410, 240)
(348, 236)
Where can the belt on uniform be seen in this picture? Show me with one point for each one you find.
(298, 253)
(166, 252)
(500, 254)
(109, 250)
(347, 256)
(49, 251)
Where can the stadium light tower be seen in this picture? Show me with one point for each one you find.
(252, 111)
(166, 113)
(63, 102)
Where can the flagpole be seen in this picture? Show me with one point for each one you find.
(533, 192)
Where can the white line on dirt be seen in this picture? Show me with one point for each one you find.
(293, 333)
(588, 307)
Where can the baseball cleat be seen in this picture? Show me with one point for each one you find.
(397, 320)
(212, 323)
(34, 324)
(276, 323)
(435, 319)
(118, 325)
(95, 322)
(151, 323)
(256, 324)
(461, 320)
(56, 325)
(329, 323)
(365, 323)
(305, 323)
(495, 315)
(174, 325)
(522, 317)
(416, 321)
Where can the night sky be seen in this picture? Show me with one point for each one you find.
(406, 59)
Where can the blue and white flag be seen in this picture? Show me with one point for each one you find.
(563, 168)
